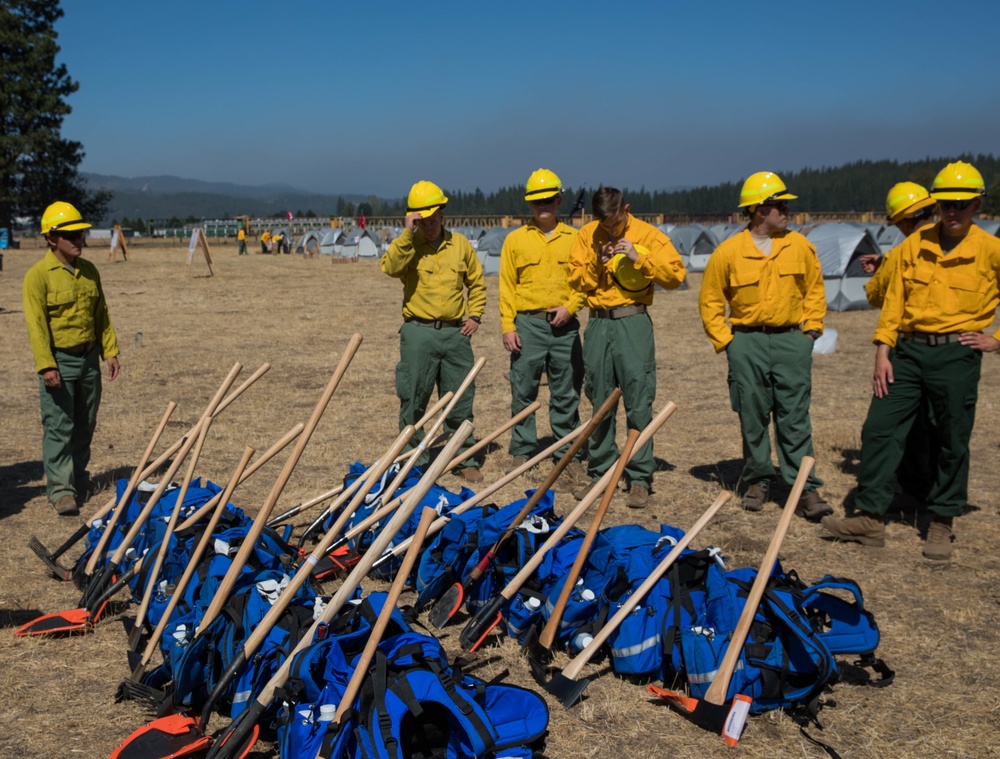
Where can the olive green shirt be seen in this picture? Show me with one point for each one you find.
(65, 309)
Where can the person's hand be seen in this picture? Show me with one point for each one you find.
(114, 368)
(512, 342)
(626, 247)
(52, 378)
(469, 327)
(870, 262)
(882, 377)
(561, 316)
(978, 341)
(410, 222)
(606, 252)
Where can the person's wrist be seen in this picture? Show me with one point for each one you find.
(476, 319)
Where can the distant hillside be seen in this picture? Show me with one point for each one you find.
(166, 197)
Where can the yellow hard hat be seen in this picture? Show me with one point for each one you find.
(542, 184)
(626, 276)
(425, 198)
(762, 187)
(62, 217)
(958, 181)
(904, 200)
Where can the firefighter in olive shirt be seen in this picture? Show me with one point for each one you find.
(436, 266)
(70, 330)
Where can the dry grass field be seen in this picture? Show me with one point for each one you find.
(181, 331)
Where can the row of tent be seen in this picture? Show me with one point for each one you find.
(839, 246)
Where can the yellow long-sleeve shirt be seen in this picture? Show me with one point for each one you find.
(931, 291)
(433, 280)
(876, 286)
(782, 289)
(662, 264)
(65, 309)
(534, 273)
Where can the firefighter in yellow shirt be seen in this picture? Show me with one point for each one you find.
(772, 283)
(538, 316)
(70, 330)
(436, 267)
(944, 291)
(241, 239)
(615, 262)
(265, 242)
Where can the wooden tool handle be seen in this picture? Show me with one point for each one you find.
(717, 691)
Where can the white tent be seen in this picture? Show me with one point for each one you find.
(990, 226)
(839, 246)
(330, 242)
(723, 232)
(286, 240)
(889, 237)
(309, 242)
(695, 244)
(359, 243)
(490, 245)
(474, 234)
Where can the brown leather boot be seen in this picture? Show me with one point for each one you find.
(939, 536)
(866, 529)
(756, 496)
(638, 497)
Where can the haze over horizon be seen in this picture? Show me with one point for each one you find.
(368, 98)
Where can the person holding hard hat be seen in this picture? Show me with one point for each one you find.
(437, 267)
(615, 262)
(772, 283)
(943, 292)
(70, 331)
(538, 316)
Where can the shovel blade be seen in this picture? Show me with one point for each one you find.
(58, 570)
(164, 738)
(566, 690)
(57, 623)
(538, 656)
(446, 606)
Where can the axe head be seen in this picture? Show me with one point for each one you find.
(727, 719)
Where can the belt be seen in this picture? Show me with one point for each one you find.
(539, 314)
(766, 329)
(79, 350)
(931, 338)
(435, 323)
(618, 313)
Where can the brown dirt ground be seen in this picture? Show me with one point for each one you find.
(938, 621)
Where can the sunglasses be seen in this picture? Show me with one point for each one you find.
(544, 201)
(72, 235)
(955, 205)
(781, 206)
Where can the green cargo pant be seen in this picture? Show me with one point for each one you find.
(916, 470)
(431, 357)
(946, 375)
(558, 349)
(770, 375)
(69, 418)
(621, 353)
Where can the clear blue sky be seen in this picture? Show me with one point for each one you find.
(371, 96)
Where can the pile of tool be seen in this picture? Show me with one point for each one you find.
(243, 627)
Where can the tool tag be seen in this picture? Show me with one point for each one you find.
(736, 720)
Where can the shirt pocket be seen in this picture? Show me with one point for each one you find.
(965, 294)
(792, 270)
(745, 287)
(60, 302)
(528, 264)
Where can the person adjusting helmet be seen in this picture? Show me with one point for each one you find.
(538, 322)
(943, 292)
(425, 198)
(437, 267)
(70, 331)
(542, 184)
(763, 187)
(62, 217)
(905, 200)
(773, 321)
(958, 181)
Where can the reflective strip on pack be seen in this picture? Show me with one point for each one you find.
(638, 648)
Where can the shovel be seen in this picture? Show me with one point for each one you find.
(538, 648)
(490, 614)
(564, 686)
(713, 712)
(451, 601)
